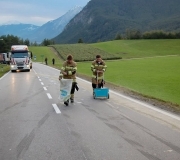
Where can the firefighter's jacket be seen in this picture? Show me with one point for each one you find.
(98, 66)
(70, 69)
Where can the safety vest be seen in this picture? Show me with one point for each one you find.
(98, 67)
(70, 69)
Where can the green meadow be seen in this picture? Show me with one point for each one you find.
(82, 52)
(42, 52)
(4, 69)
(140, 48)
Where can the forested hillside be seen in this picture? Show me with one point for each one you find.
(103, 20)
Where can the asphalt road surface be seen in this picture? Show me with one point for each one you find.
(35, 125)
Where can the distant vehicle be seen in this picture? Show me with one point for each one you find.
(20, 58)
(1, 57)
(6, 57)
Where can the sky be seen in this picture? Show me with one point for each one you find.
(37, 12)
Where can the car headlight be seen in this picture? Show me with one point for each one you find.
(27, 65)
(12, 66)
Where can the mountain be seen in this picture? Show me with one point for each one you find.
(19, 30)
(11, 22)
(39, 33)
(54, 27)
(102, 20)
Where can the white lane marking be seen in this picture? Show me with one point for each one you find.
(34, 71)
(56, 108)
(4, 75)
(146, 105)
(49, 96)
(42, 83)
(45, 88)
(138, 102)
(79, 102)
(40, 80)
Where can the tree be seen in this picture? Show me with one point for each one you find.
(47, 42)
(118, 36)
(27, 42)
(7, 42)
(133, 34)
(80, 40)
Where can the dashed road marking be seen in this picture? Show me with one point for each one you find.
(56, 108)
(42, 83)
(49, 96)
(45, 88)
(79, 102)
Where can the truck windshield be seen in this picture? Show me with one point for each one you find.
(19, 54)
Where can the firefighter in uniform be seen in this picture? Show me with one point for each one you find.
(98, 67)
(68, 71)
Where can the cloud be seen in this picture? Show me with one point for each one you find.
(35, 12)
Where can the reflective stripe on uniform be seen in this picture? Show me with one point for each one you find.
(93, 76)
(69, 73)
(69, 68)
(62, 68)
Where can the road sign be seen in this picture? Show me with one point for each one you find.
(35, 57)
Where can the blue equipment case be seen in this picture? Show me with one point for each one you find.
(101, 93)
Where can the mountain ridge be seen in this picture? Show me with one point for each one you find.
(102, 20)
(39, 33)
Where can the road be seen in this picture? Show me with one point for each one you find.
(35, 125)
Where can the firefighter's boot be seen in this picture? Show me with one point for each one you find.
(66, 102)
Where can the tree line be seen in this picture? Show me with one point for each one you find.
(157, 34)
(6, 41)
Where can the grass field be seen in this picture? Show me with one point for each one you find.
(42, 52)
(140, 48)
(4, 69)
(83, 52)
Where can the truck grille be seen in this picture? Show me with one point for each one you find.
(20, 67)
(20, 63)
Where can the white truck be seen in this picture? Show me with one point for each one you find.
(5, 58)
(20, 58)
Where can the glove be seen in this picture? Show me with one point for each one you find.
(73, 72)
